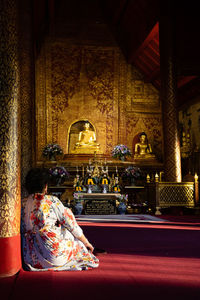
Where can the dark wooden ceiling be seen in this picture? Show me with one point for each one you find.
(135, 27)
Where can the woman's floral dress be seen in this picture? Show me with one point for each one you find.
(50, 236)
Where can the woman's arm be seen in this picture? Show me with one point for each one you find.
(67, 219)
(86, 243)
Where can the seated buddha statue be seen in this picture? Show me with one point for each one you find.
(185, 148)
(116, 187)
(78, 187)
(86, 141)
(143, 150)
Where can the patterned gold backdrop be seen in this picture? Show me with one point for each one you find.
(26, 90)
(77, 82)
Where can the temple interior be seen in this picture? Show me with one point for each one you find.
(106, 95)
(103, 78)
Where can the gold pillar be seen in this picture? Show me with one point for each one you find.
(172, 155)
(10, 197)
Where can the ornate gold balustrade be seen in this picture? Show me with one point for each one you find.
(176, 194)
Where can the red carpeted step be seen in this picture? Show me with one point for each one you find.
(142, 262)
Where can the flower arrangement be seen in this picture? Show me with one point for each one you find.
(58, 173)
(77, 197)
(121, 151)
(132, 172)
(77, 204)
(52, 150)
(122, 202)
(123, 198)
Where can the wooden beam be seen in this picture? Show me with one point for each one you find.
(150, 37)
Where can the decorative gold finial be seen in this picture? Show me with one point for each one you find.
(196, 177)
(156, 177)
(148, 178)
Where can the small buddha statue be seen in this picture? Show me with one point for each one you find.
(143, 150)
(116, 188)
(78, 184)
(86, 141)
(96, 172)
(185, 148)
(89, 179)
(105, 182)
(105, 179)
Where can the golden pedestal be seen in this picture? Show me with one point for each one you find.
(86, 150)
(145, 158)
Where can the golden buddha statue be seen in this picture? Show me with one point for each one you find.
(86, 141)
(143, 150)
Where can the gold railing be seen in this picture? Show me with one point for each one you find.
(168, 194)
(174, 194)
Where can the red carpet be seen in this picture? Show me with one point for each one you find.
(182, 219)
(143, 262)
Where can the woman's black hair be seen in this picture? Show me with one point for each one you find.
(36, 180)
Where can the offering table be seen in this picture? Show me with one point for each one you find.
(98, 203)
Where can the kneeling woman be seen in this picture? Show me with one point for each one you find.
(51, 237)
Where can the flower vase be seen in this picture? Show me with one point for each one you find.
(52, 157)
(104, 188)
(78, 208)
(122, 158)
(132, 181)
(89, 189)
(56, 181)
(59, 181)
(121, 208)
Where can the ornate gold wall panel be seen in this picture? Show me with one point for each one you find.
(78, 82)
(9, 122)
(141, 96)
(99, 68)
(26, 90)
(123, 82)
(151, 125)
(63, 81)
(41, 108)
(143, 112)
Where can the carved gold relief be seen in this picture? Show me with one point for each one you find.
(131, 124)
(99, 69)
(88, 82)
(141, 96)
(144, 92)
(65, 74)
(40, 100)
